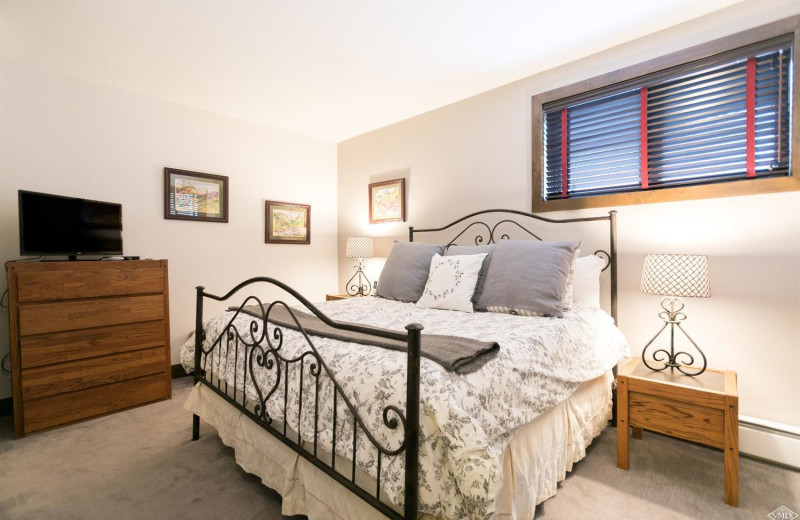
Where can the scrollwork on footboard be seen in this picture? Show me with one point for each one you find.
(261, 371)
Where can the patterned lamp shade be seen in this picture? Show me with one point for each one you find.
(676, 275)
(359, 247)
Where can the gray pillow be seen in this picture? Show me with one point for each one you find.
(528, 277)
(406, 271)
(475, 250)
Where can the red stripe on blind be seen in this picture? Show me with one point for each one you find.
(643, 136)
(564, 154)
(750, 125)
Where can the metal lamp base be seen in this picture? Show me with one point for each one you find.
(358, 284)
(673, 316)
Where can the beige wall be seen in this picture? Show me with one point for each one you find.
(61, 135)
(476, 154)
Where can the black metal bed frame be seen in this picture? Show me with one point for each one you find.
(262, 351)
(268, 356)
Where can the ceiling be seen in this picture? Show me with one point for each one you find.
(330, 69)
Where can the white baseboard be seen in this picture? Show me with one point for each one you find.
(769, 440)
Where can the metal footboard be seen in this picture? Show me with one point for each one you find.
(258, 352)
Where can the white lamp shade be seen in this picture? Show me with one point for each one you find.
(676, 275)
(359, 247)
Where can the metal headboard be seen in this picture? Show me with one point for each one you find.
(494, 234)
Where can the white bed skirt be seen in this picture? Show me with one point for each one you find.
(537, 457)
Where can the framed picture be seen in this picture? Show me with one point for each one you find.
(387, 201)
(195, 196)
(288, 223)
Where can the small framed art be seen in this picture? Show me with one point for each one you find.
(195, 196)
(288, 223)
(387, 201)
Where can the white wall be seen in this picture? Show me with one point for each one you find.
(62, 135)
(476, 154)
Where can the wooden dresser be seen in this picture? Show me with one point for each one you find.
(87, 338)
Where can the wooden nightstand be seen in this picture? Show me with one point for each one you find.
(334, 297)
(703, 409)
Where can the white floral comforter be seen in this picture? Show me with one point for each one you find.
(465, 421)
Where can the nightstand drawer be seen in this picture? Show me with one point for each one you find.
(683, 420)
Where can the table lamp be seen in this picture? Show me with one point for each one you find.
(674, 276)
(359, 248)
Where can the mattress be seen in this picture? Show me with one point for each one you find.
(537, 457)
(466, 421)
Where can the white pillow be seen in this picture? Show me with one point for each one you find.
(586, 288)
(569, 289)
(451, 282)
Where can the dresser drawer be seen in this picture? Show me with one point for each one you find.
(42, 318)
(74, 406)
(70, 280)
(58, 347)
(87, 373)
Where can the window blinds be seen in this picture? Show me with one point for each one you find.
(719, 119)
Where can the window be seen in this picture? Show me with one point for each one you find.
(711, 125)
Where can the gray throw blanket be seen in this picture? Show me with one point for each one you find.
(459, 355)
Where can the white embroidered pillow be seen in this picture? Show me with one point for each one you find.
(451, 282)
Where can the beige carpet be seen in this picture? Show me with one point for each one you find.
(140, 464)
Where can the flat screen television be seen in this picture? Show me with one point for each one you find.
(56, 225)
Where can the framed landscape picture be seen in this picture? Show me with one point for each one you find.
(387, 201)
(288, 223)
(195, 196)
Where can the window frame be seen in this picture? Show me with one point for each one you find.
(753, 186)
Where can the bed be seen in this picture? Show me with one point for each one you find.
(314, 414)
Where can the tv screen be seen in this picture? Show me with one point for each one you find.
(56, 225)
